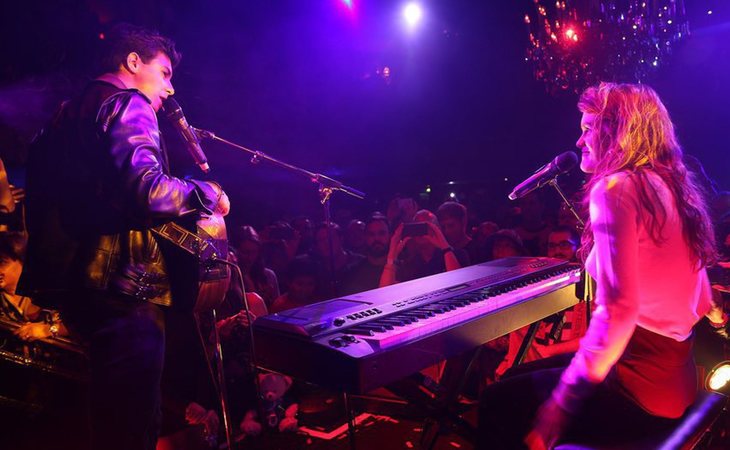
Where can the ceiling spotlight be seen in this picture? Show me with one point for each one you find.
(412, 13)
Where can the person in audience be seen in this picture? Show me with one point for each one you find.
(411, 257)
(333, 262)
(366, 274)
(233, 329)
(533, 228)
(355, 237)
(11, 213)
(256, 277)
(558, 334)
(502, 244)
(484, 230)
(305, 228)
(563, 243)
(452, 218)
(302, 276)
(481, 234)
(34, 322)
(282, 231)
(400, 210)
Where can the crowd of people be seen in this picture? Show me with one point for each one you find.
(308, 262)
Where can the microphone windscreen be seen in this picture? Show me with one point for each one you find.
(171, 108)
(565, 161)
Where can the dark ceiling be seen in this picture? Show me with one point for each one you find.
(299, 80)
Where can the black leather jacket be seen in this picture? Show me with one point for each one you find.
(98, 181)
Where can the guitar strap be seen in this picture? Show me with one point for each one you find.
(190, 242)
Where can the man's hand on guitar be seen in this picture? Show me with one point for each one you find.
(223, 204)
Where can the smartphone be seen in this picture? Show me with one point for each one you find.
(414, 229)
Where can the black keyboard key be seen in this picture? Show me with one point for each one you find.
(361, 331)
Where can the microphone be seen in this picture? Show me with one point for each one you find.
(174, 112)
(561, 164)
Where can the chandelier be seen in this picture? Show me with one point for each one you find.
(576, 43)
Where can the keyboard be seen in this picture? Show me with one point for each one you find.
(363, 341)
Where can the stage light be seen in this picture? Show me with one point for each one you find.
(412, 13)
(718, 379)
(571, 35)
(347, 3)
(452, 194)
(428, 189)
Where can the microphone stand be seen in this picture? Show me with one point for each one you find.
(581, 225)
(554, 183)
(326, 186)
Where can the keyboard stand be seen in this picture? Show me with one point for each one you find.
(447, 409)
(447, 414)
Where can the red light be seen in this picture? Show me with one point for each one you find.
(571, 35)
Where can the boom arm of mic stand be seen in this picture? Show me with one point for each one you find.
(328, 183)
(324, 182)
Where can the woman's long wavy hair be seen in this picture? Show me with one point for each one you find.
(636, 135)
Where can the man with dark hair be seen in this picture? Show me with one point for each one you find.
(333, 262)
(453, 220)
(533, 229)
(366, 275)
(125, 38)
(98, 183)
(355, 236)
(302, 280)
(563, 243)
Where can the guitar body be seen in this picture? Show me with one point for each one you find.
(215, 277)
(198, 282)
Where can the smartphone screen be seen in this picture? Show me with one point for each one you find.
(415, 229)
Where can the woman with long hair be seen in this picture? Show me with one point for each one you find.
(647, 243)
(256, 277)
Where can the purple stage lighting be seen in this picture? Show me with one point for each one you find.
(412, 13)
